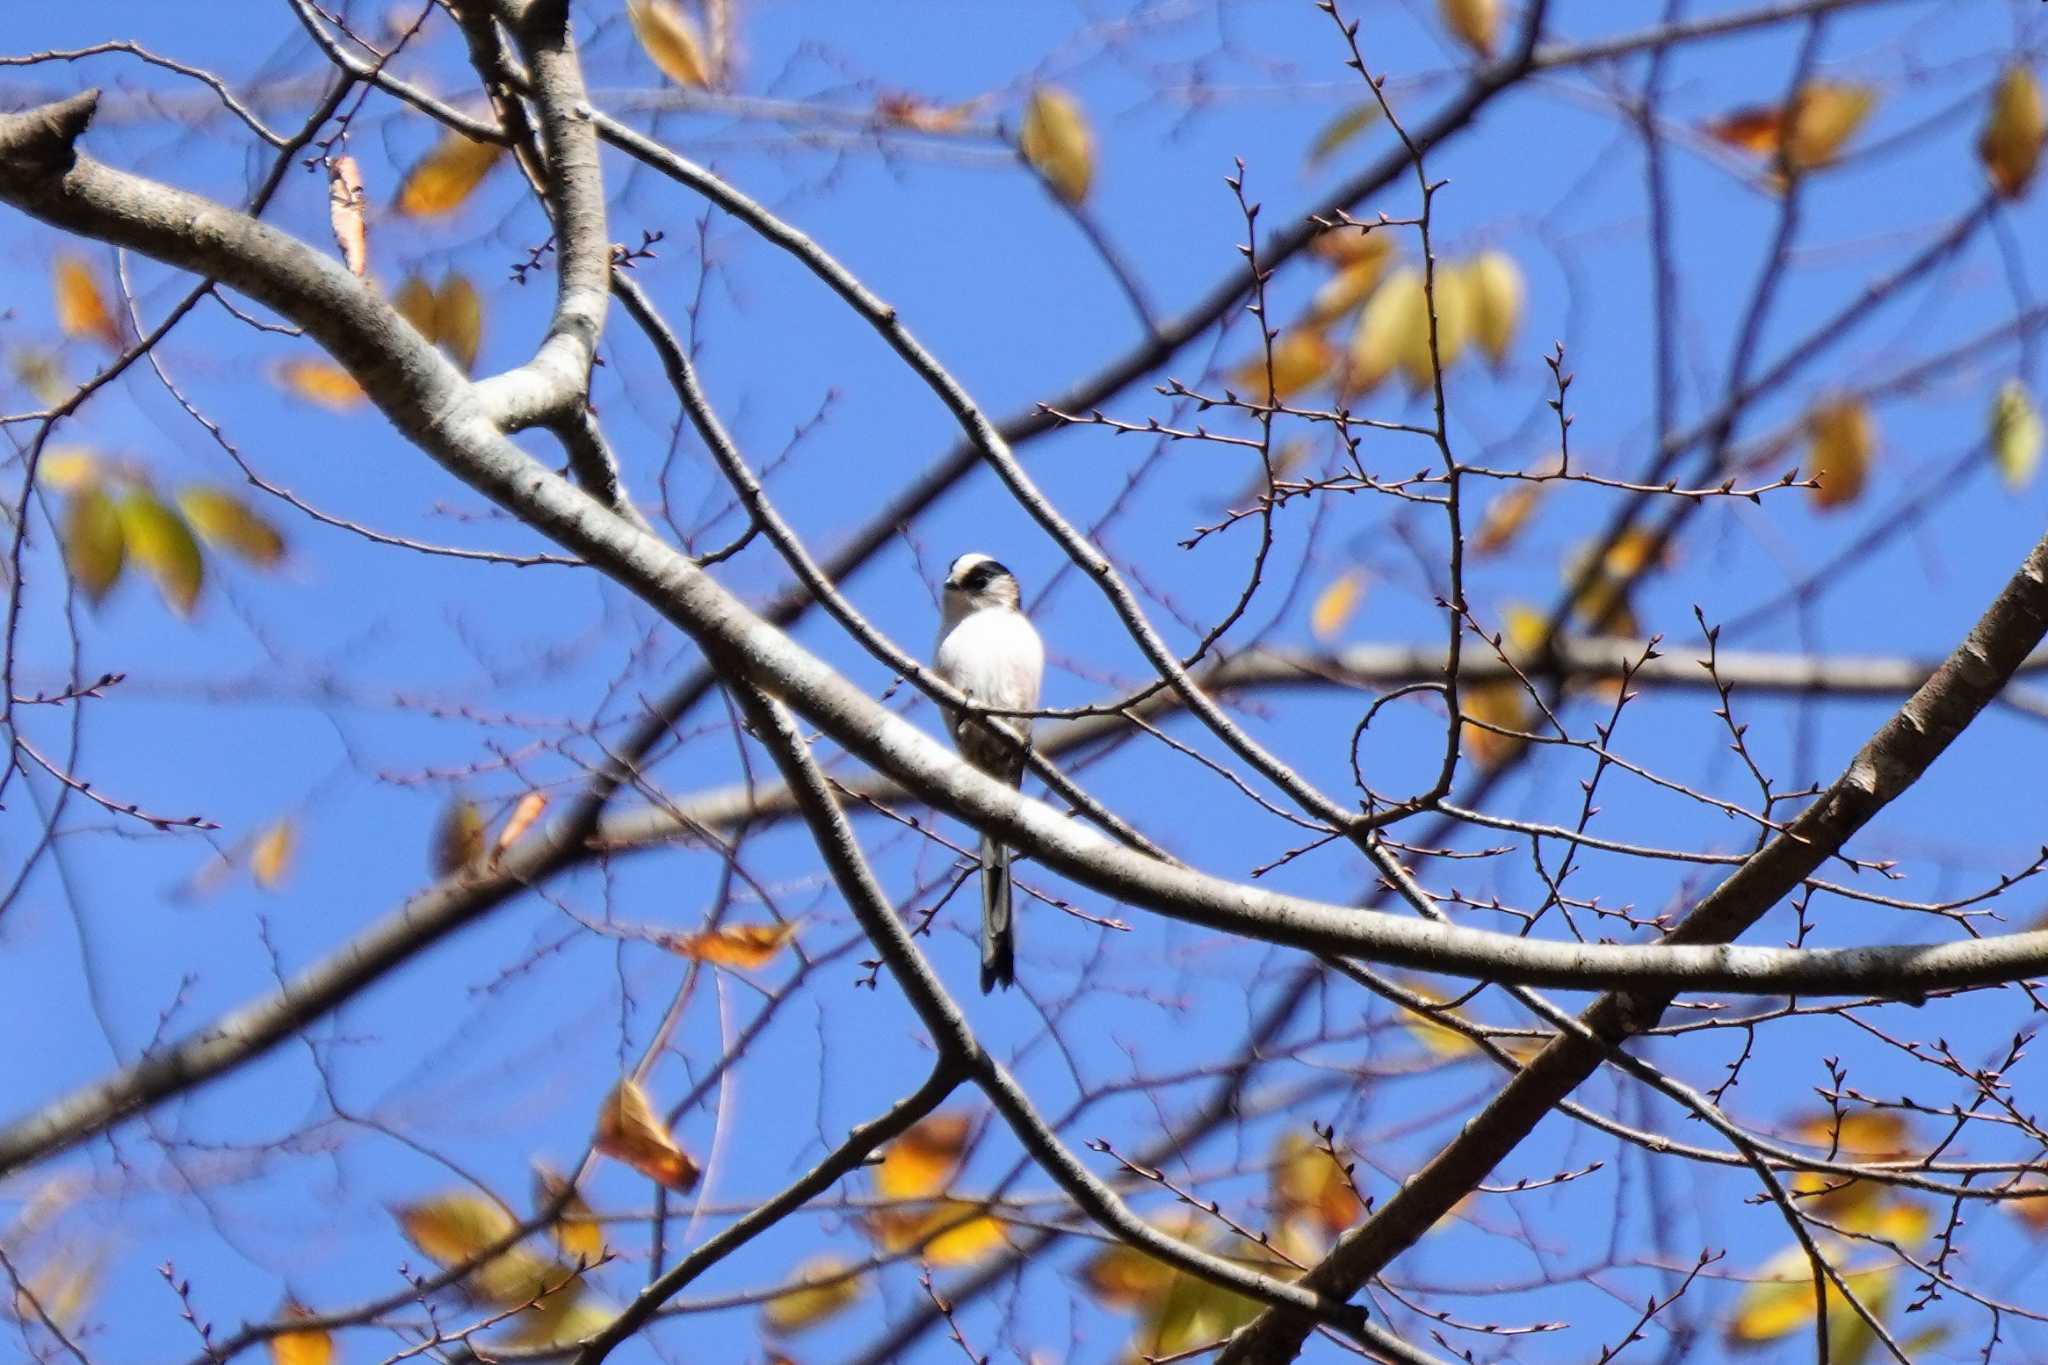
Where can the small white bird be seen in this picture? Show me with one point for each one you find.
(988, 649)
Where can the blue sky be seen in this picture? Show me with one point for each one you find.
(355, 691)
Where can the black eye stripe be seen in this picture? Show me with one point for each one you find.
(982, 574)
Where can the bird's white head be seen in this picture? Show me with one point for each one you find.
(976, 581)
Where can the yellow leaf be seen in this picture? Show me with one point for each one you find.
(345, 213)
(1524, 627)
(1825, 115)
(825, 1289)
(1336, 603)
(521, 820)
(446, 176)
(1859, 1134)
(458, 837)
(968, 1239)
(41, 373)
(62, 1288)
(1392, 328)
(918, 1164)
(66, 469)
(271, 858)
(1342, 246)
(1505, 517)
(1353, 283)
(1438, 1039)
(1057, 142)
(1475, 22)
(671, 41)
(1842, 439)
(95, 547)
(2015, 434)
(419, 305)
(577, 1231)
(454, 1228)
(322, 382)
(459, 320)
(1306, 1180)
(310, 1347)
(81, 305)
(630, 1130)
(1193, 1313)
(159, 540)
(225, 520)
(1454, 293)
(2010, 144)
(746, 946)
(1779, 1303)
(1342, 129)
(1501, 702)
(1496, 288)
(1300, 360)
(562, 1318)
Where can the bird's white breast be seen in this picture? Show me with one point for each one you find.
(994, 656)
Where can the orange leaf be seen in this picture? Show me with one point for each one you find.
(345, 213)
(1502, 703)
(2010, 145)
(1476, 22)
(918, 1164)
(577, 1231)
(1336, 603)
(322, 382)
(629, 1129)
(746, 946)
(271, 858)
(908, 111)
(1306, 1179)
(521, 820)
(446, 176)
(310, 1347)
(1300, 360)
(1843, 440)
(81, 306)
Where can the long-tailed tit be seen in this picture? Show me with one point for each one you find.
(988, 649)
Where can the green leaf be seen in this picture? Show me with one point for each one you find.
(162, 543)
(1342, 129)
(225, 520)
(94, 547)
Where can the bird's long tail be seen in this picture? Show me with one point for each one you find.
(998, 926)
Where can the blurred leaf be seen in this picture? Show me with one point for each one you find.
(1057, 142)
(441, 181)
(1780, 1303)
(2027, 1200)
(1842, 439)
(1501, 702)
(1475, 22)
(1353, 283)
(1193, 1313)
(311, 1347)
(2015, 434)
(2010, 144)
(1601, 603)
(577, 1231)
(746, 946)
(160, 542)
(1810, 129)
(1523, 627)
(897, 110)
(41, 372)
(950, 1233)
(1392, 326)
(630, 1130)
(224, 520)
(519, 821)
(671, 41)
(270, 860)
(322, 382)
(1342, 129)
(81, 305)
(1342, 246)
(1506, 514)
(62, 1288)
(458, 837)
(1300, 360)
(417, 303)
(94, 546)
(1336, 603)
(1438, 1039)
(66, 469)
(1860, 1134)
(1307, 1181)
(826, 1291)
(1455, 297)
(452, 316)
(565, 1316)
(454, 1228)
(921, 1162)
(1497, 291)
(345, 213)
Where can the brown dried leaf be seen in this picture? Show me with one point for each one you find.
(630, 1130)
(345, 213)
(2010, 145)
(746, 946)
(1842, 440)
(458, 837)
